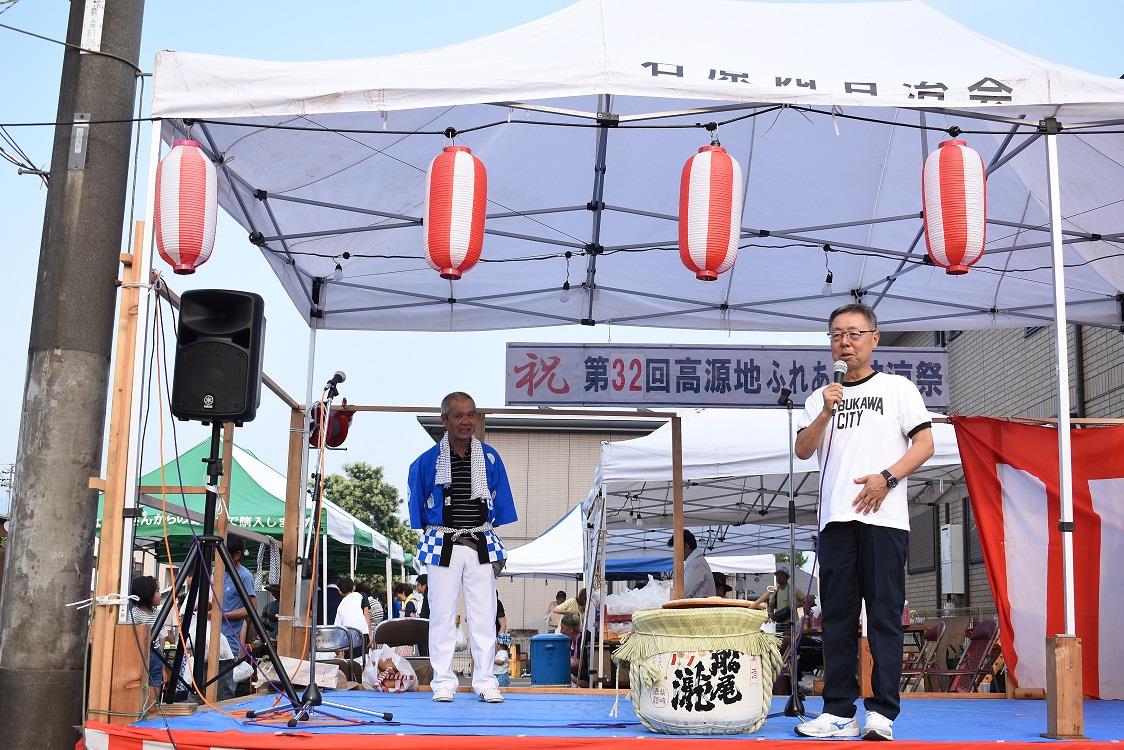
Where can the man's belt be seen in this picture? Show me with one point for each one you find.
(451, 536)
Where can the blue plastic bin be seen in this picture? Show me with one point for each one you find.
(550, 659)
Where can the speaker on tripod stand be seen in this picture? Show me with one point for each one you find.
(219, 356)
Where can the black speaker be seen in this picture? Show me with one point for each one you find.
(219, 349)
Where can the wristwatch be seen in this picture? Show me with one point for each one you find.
(891, 480)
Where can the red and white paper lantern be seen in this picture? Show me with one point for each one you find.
(456, 197)
(954, 195)
(710, 212)
(186, 207)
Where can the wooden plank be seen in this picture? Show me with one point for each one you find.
(171, 489)
(127, 687)
(103, 629)
(219, 581)
(293, 494)
(866, 666)
(1065, 719)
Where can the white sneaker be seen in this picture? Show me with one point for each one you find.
(878, 727)
(829, 725)
(491, 695)
(443, 695)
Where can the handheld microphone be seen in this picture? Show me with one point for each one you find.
(341, 376)
(839, 370)
(785, 397)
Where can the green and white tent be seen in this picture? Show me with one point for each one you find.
(257, 503)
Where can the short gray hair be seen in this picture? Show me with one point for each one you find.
(855, 307)
(454, 396)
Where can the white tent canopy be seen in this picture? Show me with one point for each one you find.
(584, 120)
(735, 467)
(558, 553)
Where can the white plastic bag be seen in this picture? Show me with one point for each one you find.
(242, 671)
(389, 672)
(461, 643)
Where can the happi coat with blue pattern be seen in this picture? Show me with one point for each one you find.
(427, 504)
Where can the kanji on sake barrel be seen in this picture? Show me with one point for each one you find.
(701, 670)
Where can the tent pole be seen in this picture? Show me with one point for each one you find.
(1064, 709)
(389, 586)
(677, 523)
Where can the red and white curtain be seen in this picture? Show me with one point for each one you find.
(1012, 474)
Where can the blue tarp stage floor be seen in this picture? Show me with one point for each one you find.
(567, 720)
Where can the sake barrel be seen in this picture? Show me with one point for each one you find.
(704, 670)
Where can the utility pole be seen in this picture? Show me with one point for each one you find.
(54, 512)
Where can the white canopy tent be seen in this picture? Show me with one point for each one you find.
(735, 470)
(584, 119)
(559, 552)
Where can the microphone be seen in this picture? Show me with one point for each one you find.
(341, 376)
(839, 370)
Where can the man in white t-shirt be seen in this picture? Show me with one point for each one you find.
(351, 612)
(870, 431)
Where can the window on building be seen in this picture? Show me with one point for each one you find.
(1031, 330)
(975, 549)
(922, 539)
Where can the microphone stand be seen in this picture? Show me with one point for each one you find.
(312, 698)
(795, 704)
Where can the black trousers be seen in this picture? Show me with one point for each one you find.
(860, 561)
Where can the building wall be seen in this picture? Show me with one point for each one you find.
(551, 471)
(1012, 373)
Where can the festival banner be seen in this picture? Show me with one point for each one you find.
(1012, 474)
(633, 375)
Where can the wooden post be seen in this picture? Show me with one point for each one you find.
(290, 576)
(221, 519)
(1065, 719)
(677, 521)
(104, 626)
(866, 665)
(127, 691)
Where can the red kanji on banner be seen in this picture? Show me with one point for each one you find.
(537, 370)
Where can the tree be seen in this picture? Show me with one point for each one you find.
(364, 493)
(782, 559)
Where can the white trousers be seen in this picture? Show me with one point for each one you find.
(478, 582)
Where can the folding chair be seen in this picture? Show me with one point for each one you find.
(341, 638)
(914, 671)
(408, 631)
(976, 660)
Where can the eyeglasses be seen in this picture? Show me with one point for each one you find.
(837, 336)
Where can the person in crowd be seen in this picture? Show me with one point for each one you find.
(333, 600)
(402, 592)
(698, 580)
(778, 600)
(458, 493)
(353, 611)
(575, 606)
(721, 588)
(143, 611)
(501, 617)
(270, 611)
(234, 612)
(500, 664)
(570, 626)
(552, 618)
(415, 602)
(378, 614)
(870, 432)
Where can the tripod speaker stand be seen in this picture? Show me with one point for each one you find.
(795, 704)
(198, 566)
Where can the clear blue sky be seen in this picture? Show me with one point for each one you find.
(1080, 33)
